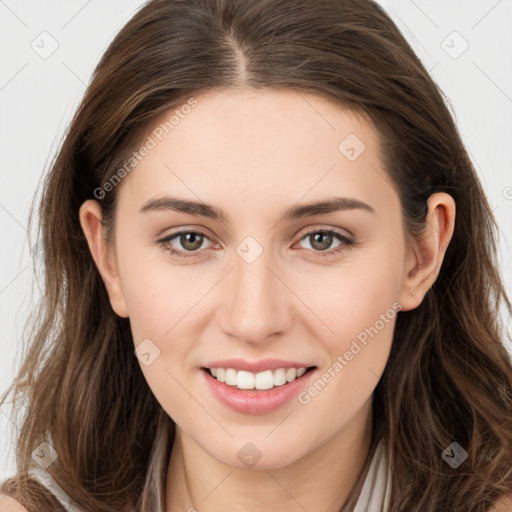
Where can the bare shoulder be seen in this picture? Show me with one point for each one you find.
(502, 505)
(8, 504)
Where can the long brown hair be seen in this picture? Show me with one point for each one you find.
(449, 375)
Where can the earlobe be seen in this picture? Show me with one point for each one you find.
(426, 253)
(104, 257)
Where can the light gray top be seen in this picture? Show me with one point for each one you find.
(376, 491)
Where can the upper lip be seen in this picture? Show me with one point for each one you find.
(256, 366)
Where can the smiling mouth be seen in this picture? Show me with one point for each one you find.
(261, 381)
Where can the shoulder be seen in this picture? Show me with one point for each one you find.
(504, 504)
(8, 504)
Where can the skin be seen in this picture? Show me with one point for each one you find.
(254, 154)
(8, 504)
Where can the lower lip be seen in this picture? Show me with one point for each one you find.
(254, 401)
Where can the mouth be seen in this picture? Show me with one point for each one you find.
(257, 382)
(274, 384)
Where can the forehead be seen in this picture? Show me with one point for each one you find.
(249, 146)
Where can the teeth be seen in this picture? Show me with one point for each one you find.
(279, 377)
(243, 380)
(231, 378)
(262, 380)
(291, 374)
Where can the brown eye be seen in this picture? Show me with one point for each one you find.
(321, 240)
(191, 241)
(184, 244)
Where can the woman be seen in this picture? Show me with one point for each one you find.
(271, 280)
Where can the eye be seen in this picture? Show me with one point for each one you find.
(190, 241)
(321, 240)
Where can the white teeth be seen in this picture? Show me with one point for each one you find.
(291, 374)
(230, 377)
(263, 380)
(244, 380)
(300, 372)
(279, 377)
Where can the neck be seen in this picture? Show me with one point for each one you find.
(322, 479)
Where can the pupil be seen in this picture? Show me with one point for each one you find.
(189, 239)
(326, 242)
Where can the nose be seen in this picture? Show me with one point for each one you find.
(258, 305)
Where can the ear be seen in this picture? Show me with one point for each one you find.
(104, 255)
(426, 253)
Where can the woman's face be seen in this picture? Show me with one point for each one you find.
(259, 274)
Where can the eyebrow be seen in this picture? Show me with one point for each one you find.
(201, 209)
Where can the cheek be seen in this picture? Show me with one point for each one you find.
(360, 311)
(356, 305)
(160, 298)
(352, 296)
(162, 303)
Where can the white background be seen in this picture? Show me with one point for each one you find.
(38, 96)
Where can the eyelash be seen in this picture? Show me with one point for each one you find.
(346, 243)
